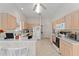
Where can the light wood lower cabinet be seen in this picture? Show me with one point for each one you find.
(68, 49)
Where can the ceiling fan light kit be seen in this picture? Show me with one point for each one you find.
(38, 7)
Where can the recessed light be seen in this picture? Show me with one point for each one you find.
(22, 8)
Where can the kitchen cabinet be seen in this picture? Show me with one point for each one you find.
(0, 22)
(60, 26)
(71, 20)
(25, 25)
(11, 22)
(75, 20)
(66, 48)
(69, 47)
(7, 21)
(57, 23)
(68, 22)
(4, 20)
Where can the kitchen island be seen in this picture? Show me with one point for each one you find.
(18, 47)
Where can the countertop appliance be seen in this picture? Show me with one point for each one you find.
(9, 36)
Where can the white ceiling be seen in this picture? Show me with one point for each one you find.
(48, 13)
(53, 11)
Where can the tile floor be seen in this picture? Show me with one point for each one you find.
(45, 48)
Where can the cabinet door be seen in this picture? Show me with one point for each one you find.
(4, 21)
(68, 22)
(66, 48)
(62, 47)
(0, 22)
(27, 26)
(75, 20)
(72, 20)
(11, 22)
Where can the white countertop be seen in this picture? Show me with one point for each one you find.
(71, 41)
(21, 39)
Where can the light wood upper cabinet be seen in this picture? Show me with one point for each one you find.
(71, 20)
(11, 22)
(58, 21)
(68, 22)
(4, 20)
(25, 25)
(0, 22)
(7, 21)
(75, 20)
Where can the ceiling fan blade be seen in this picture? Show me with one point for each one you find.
(34, 7)
(43, 6)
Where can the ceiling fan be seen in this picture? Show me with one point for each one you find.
(38, 7)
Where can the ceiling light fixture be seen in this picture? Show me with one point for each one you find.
(38, 9)
(22, 8)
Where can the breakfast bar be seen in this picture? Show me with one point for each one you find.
(18, 47)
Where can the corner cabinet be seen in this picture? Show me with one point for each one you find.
(7, 21)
